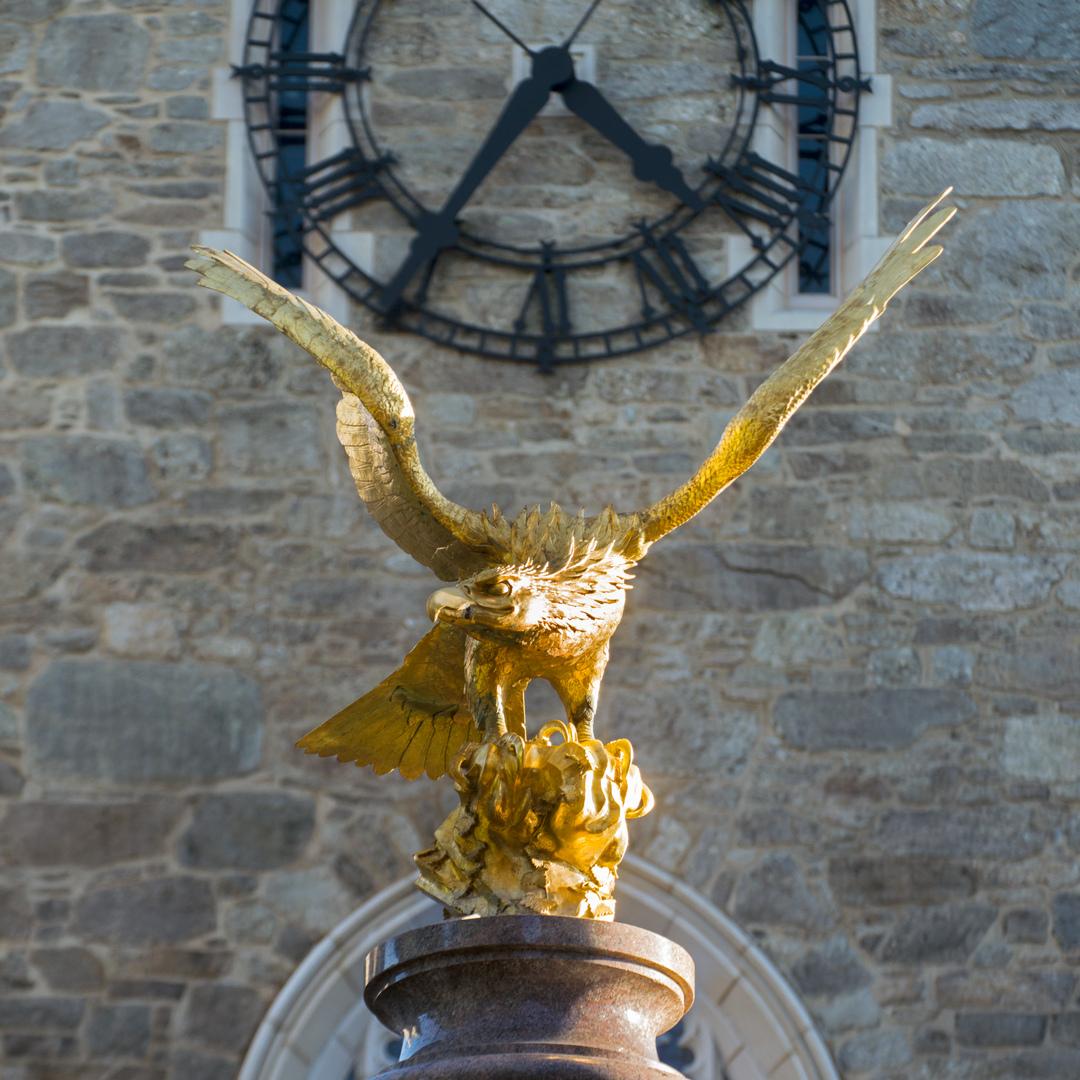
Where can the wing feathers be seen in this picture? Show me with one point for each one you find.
(412, 719)
(378, 420)
(392, 502)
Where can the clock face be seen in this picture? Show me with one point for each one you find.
(555, 183)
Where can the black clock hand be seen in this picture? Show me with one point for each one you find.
(505, 29)
(551, 67)
(651, 162)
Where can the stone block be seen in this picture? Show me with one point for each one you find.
(162, 911)
(175, 548)
(195, 1066)
(1065, 1029)
(242, 502)
(182, 457)
(8, 293)
(248, 831)
(1008, 479)
(53, 125)
(61, 352)
(12, 780)
(1053, 397)
(748, 577)
(15, 49)
(52, 296)
(1018, 248)
(993, 529)
(35, 1013)
(28, 248)
(899, 522)
(1000, 1029)
(797, 638)
(972, 582)
(1026, 926)
(1042, 748)
(81, 205)
(94, 470)
(69, 970)
(1018, 114)
(775, 893)
(224, 360)
(831, 969)
(1050, 322)
(223, 1016)
(948, 933)
(139, 721)
(269, 439)
(102, 53)
(167, 407)
(1040, 665)
(187, 107)
(874, 1051)
(153, 307)
(15, 652)
(118, 1031)
(85, 834)
(183, 137)
(1046, 991)
(1066, 908)
(993, 831)
(987, 167)
(775, 826)
(858, 880)
(868, 720)
(141, 630)
(16, 915)
(1046, 30)
(104, 249)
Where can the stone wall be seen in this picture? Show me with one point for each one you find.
(853, 682)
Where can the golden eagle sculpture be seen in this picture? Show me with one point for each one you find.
(539, 595)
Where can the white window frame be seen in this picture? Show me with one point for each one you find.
(857, 240)
(246, 226)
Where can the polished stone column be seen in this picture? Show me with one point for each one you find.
(529, 996)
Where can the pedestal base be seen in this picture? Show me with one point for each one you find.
(529, 996)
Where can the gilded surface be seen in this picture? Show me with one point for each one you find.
(536, 596)
(541, 828)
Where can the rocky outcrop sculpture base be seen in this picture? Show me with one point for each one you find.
(541, 827)
(529, 996)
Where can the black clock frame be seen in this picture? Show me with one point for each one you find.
(778, 211)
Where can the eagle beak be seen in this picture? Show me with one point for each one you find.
(450, 602)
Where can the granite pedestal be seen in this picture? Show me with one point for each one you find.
(529, 996)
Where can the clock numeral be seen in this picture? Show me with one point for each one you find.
(770, 75)
(665, 266)
(756, 188)
(547, 307)
(297, 72)
(335, 185)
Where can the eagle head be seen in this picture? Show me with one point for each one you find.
(559, 607)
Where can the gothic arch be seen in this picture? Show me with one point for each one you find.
(747, 1022)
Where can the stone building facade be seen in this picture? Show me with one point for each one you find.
(854, 682)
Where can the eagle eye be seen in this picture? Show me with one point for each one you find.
(500, 588)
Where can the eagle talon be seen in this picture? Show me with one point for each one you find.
(514, 743)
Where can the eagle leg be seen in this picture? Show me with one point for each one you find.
(485, 689)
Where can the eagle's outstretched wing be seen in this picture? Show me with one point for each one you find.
(415, 721)
(375, 422)
(755, 426)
